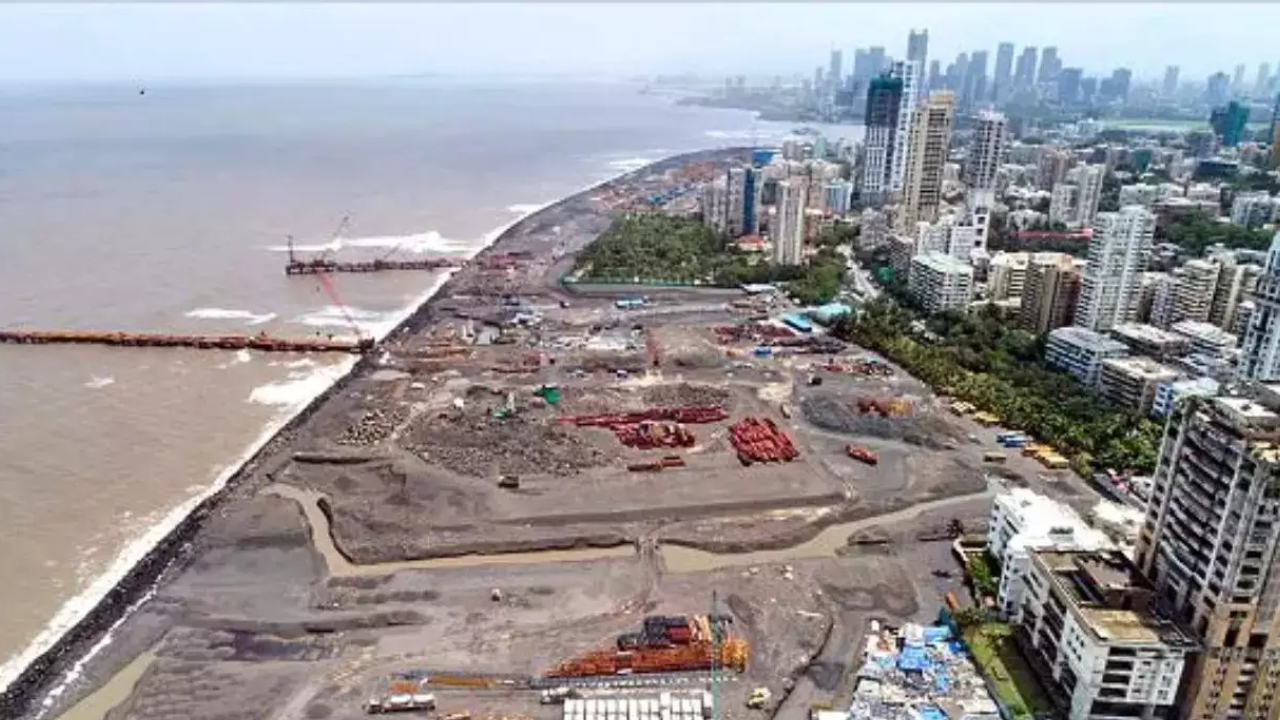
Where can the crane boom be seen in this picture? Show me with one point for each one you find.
(332, 292)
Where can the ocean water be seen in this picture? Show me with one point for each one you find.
(169, 211)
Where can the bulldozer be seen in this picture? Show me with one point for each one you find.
(509, 482)
(759, 698)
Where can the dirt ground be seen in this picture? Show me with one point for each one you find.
(256, 622)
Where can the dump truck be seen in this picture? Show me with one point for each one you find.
(509, 482)
(995, 457)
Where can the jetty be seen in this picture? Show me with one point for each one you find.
(261, 341)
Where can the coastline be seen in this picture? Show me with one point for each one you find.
(54, 660)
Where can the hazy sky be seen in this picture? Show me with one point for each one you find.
(150, 41)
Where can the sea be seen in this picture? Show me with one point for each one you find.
(169, 208)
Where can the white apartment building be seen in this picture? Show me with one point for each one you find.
(715, 205)
(1260, 358)
(1132, 382)
(984, 158)
(1168, 394)
(1194, 285)
(1021, 521)
(1148, 195)
(1080, 351)
(1206, 338)
(1118, 253)
(1088, 178)
(909, 71)
(1007, 275)
(1062, 203)
(1255, 209)
(1088, 627)
(1236, 282)
(940, 282)
(788, 224)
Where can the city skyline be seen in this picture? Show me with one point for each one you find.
(199, 41)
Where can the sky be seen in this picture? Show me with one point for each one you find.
(91, 42)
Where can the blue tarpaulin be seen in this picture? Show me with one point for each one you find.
(931, 712)
(913, 658)
(937, 633)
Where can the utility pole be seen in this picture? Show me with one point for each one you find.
(713, 619)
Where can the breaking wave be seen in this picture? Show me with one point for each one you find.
(425, 242)
(250, 318)
(98, 383)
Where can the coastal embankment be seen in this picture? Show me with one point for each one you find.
(49, 666)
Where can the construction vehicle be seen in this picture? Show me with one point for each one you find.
(759, 698)
(402, 692)
(557, 695)
(994, 457)
(509, 482)
(861, 454)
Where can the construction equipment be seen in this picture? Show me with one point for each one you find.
(895, 407)
(670, 461)
(402, 692)
(261, 341)
(509, 482)
(759, 440)
(650, 435)
(324, 263)
(857, 452)
(759, 698)
(557, 695)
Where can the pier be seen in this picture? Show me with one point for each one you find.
(262, 342)
(325, 266)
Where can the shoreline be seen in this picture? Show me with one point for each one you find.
(47, 671)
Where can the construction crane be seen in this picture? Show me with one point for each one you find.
(364, 341)
(335, 242)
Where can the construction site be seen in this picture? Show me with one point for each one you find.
(597, 503)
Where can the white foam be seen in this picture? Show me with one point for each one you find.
(97, 383)
(243, 356)
(332, 316)
(425, 242)
(524, 209)
(299, 388)
(75, 609)
(250, 318)
(630, 164)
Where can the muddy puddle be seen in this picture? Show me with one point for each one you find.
(340, 566)
(115, 691)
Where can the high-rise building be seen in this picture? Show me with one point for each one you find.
(1209, 546)
(1069, 85)
(838, 193)
(884, 102)
(1169, 87)
(1229, 123)
(983, 160)
(861, 65)
(788, 224)
(1120, 79)
(1088, 89)
(935, 75)
(1002, 81)
(1049, 65)
(1263, 80)
(1052, 167)
(1024, 75)
(1260, 352)
(1236, 283)
(926, 158)
(909, 72)
(1049, 292)
(1237, 79)
(835, 71)
(745, 187)
(1193, 287)
(975, 80)
(1118, 254)
(940, 282)
(1217, 89)
(876, 60)
(918, 47)
(956, 73)
(1089, 179)
(715, 205)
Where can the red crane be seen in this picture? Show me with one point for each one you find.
(362, 340)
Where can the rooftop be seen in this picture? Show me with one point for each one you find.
(1149, 334)
(943, 263)
(1107, 593)
(1087, 339)
(1205, 332)
(1141, 367)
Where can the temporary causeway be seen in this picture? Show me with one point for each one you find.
(319, 266)
(261, 342)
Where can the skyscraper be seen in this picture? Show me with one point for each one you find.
(935, 75)
(909, 71)
(835, 72)
(918, 47)
(743, 214)
(1120, 78)
(1118, 254)
(1170, 86)
(1237, 79)
(861, 65)
(1025, 73)
(1229, 123)
(1003, 79)
(876, 61)
(1069, 86)
(1217, 89)
(1263, 80)
(986, 153)
(1209, 545)
(975, 80)
(788, 224)
(1049, 65)
(884, 101)
(1049, 293)
(1260, 352)
(930, 139)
